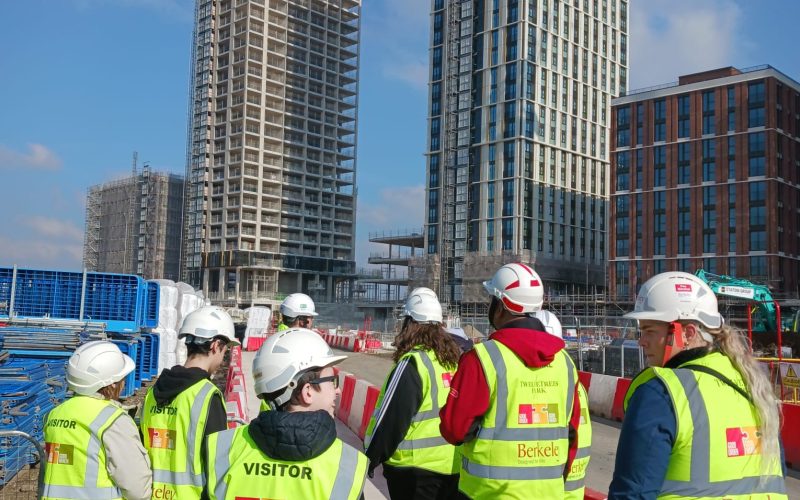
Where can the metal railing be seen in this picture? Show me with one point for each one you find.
(22, 474)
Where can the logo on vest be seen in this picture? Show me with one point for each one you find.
(62, 454)
(543, 450)
(163, 439)
(164, 492)
(447, 377)
(743, 441)
(538, 414)
(61, 422)
(168, 410)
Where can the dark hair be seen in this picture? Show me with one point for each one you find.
(194, 348)
(432, 336)
(296, 398)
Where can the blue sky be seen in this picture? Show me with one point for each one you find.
(87, 82)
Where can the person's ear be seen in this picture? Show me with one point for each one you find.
(690, 333)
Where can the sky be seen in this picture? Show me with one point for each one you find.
(85, 83)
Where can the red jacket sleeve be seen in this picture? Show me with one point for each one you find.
(574, 429)
(467, 402)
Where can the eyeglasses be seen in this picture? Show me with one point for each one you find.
(332, 378)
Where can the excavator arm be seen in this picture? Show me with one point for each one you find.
(759, 295)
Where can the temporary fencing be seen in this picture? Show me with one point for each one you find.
(21, 466)
(236, 390)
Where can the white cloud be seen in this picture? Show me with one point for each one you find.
(37, 157)
(36, 253)
(399, 28)
(48, 227)
(670, 38)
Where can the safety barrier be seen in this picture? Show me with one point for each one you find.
(20, 450)
(236, 390)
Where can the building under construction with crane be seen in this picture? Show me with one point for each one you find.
(133, 225)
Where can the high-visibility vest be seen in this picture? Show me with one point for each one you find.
(237, 468)
(716, 451)
(522, 445)
(76, 457)
(173, 437)
(575, 487)
(423, 445)
(283, 327)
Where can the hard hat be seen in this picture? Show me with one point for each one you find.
(551, 323)
(298, 304)
(423, 306)
(518, 287)
(95, 365)
(285, 356)
(677, 296)
(208, 322)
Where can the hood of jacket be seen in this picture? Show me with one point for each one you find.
(293, 436)
(527, 338)
(174, 381)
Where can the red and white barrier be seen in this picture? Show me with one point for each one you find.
(357, 402)
(606, 394)
(236, 390)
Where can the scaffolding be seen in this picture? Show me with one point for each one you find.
(133, 225)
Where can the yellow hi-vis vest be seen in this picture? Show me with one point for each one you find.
(282, 327)
(237, 468)
(521, 448)
(76, 458)
(716, 452)
(423, 446)
(575, 486)
(173, 436)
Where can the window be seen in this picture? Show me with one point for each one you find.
(757, 197)
(684, 221)
(660, 120)
(731, 109)
(732, 157)
(683, 116)
(659, 223)
(639, 123)
(659, 166)
(684, 162)
(756, 162)
(623, 126)
(732, 218)
(709, 219)
(709, 160)
(755, 104)
(623, 170)
(709, 127)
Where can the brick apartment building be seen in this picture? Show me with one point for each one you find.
(706, 174)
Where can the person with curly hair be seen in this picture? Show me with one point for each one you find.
(403, 433)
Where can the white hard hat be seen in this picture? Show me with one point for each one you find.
(95, 365)
(518, 287)
(284, 357)
(676, 296)
(208, 322)
(298, 304)
(423, 306)
(551, 323)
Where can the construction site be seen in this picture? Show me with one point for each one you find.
(133, 225)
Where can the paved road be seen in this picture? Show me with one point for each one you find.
(374, 369)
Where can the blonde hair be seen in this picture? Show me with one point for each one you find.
(733, 344)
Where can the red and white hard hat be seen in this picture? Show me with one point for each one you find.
(518, 287)
(677, 296)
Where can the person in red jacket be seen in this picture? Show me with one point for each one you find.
(517, 293)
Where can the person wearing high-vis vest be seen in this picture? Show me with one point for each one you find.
(184, 406)
(703, 420)
(574, 487)
(403, 433)
(291, 451)
(92, 446)
(514, 404)
(297, 311)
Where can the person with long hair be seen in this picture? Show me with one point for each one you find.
(403, 433)
(703, 420)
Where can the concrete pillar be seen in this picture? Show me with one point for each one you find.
(329, 288)
(223, 274)
(206, 272)
(238, 277)
(299, 286)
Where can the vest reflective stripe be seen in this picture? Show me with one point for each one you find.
(692, 472)
(85, 483)
(350, 466)
(506, 458)
(423, 446)
(185, 456)
(574, 487)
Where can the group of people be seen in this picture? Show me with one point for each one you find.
(505, 418)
